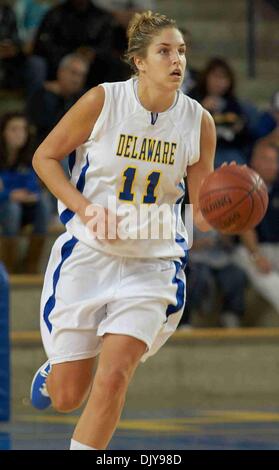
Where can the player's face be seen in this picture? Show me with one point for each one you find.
(165, 59)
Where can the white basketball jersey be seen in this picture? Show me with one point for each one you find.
(137, 158)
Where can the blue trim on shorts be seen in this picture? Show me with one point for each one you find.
(180, 293)
(179, 265)
(182, 243)
(67, 214)
(66, 252)
(180, 240)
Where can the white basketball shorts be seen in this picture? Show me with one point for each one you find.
(88, 293)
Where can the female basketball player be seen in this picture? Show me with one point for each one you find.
(134, 141)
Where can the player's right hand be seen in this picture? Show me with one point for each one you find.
(100, 222)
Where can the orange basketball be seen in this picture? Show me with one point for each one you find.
(233, 199)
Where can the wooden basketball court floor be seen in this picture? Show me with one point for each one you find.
(177, 418)
(175, 430)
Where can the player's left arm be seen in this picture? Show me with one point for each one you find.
(200, 170)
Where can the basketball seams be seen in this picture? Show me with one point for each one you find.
(230, 208)
(239, 174)
(248, 194)
(242, 227)
(263, 204)
(251, 205)
(231, 188)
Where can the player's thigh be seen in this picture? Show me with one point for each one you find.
(74, 376)
(120, 353)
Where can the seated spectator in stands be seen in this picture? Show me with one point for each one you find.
(21, 199)
(211, 268)
(12, 59)
(48, 104)
(259, 253)
(269, 120)
(74, 26)
(29, 15)
(191, 75)
(272, 138)
(122, 12)
(216, 92)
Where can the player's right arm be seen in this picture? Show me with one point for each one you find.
(71, 131)
(200, 170)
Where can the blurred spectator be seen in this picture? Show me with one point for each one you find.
(21, 199)
(29, 14)
(191, 75)
(12, 59)
(216, 92)
(47, 105)
(268, 120)
(272, 138)
(259, 255)
(123, 11)
(211, 267)
(74, 26)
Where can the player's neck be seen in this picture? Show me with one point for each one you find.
(155, 99)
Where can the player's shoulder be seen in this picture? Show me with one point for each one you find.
(118, 87)
(186, 115)
(207, 123)
(91, 102)
(120, 97)
(118, 93)
(115, 104)
(192, 108)
(189, 104)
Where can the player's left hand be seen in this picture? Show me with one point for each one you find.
(101, 223)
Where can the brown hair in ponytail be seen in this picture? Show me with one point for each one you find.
(142, 28)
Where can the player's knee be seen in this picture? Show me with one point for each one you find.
(66, 401)
(115, 381)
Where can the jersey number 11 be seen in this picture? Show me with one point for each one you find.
(128, 177)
